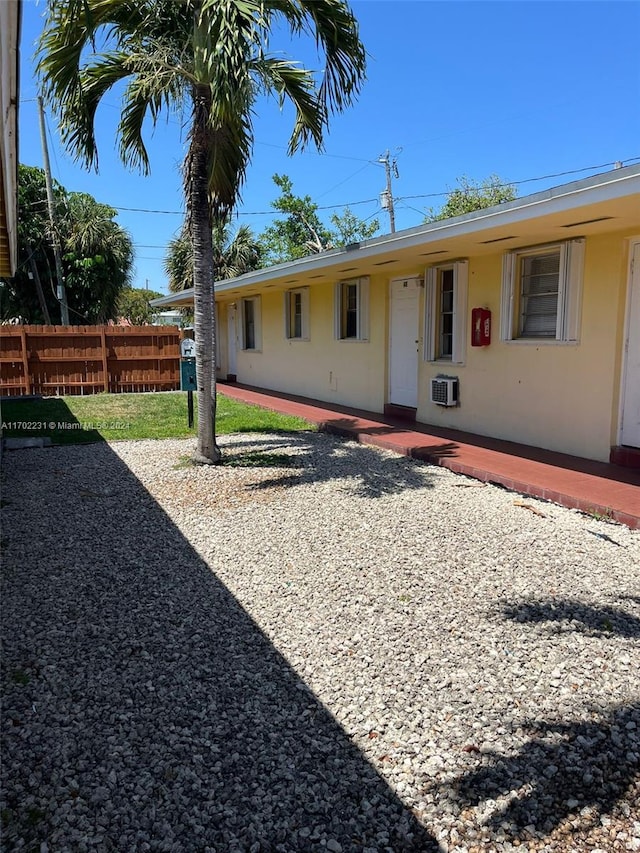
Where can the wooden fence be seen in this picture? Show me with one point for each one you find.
(59, 360)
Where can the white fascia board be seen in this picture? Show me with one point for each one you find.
(546, 203)
(618, 183)
(172, 299)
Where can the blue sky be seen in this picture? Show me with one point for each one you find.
(521, 89)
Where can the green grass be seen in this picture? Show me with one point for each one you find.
(110, 417)
(258, 459)
(253, 459)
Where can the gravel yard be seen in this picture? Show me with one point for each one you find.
(318, 646)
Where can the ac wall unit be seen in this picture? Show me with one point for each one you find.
(444, 390)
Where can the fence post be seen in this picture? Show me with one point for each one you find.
(105, 366)
(25, 362)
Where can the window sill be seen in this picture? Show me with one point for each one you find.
(353, 340)
(540, 342)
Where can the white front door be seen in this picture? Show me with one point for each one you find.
(630, 435)
(231, 340)
(403, 342)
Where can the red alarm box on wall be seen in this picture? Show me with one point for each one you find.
(480, 327)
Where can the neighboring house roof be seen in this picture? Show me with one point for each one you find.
(604, 202)
(10, 14)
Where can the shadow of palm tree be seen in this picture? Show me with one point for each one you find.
(144, 709)
(365, 471)
(562, 770)
(427, 453)
(573, 615)
(454, 437)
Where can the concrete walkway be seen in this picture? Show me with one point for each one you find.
(593, 487)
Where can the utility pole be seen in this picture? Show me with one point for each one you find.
(55, 239)
(386, 196)
(33, 274)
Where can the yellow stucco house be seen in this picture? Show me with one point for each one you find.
(521, 321)
(9, 46)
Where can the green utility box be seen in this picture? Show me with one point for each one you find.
(188, 374)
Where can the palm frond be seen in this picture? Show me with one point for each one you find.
(178, 263)
(336, 32)
(75, 75)
(293, 83)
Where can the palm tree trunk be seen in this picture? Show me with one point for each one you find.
(207, 451)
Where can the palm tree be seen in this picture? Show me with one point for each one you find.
(233, 256)
(213, 57)
(97, 254)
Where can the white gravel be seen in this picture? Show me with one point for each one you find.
(336, 649)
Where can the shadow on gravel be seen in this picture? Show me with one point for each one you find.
(428, 453)
(575, 768)
(48, 417)
(144, 710)
(365, 471)
(576, 616)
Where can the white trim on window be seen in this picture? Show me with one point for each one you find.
(359, 320)
(432, 312)
(251, 323)
(507, 299)
(572, 291)
(570, 274)
(289, 331)
(430, 302)
(461, 285)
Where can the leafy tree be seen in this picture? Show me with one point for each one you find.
(28, 295)
(349, 228)
(473, 195)
(234, 255)
(133, 305)
(302, 232)
(97, 255)
(210, 57)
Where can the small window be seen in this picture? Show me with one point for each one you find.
(251, 323)
(445, 311)
(296, 306)
(352, 310)
(541, 292)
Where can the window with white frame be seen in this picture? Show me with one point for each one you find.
(445, 312)
(251, 323)
(541, 290)
(296, 308)
(352, 310)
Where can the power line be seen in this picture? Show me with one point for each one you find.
(242, 212)
(316, 153)
(531, 180)
(326, 192)
(441, 194)
(403, 203)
